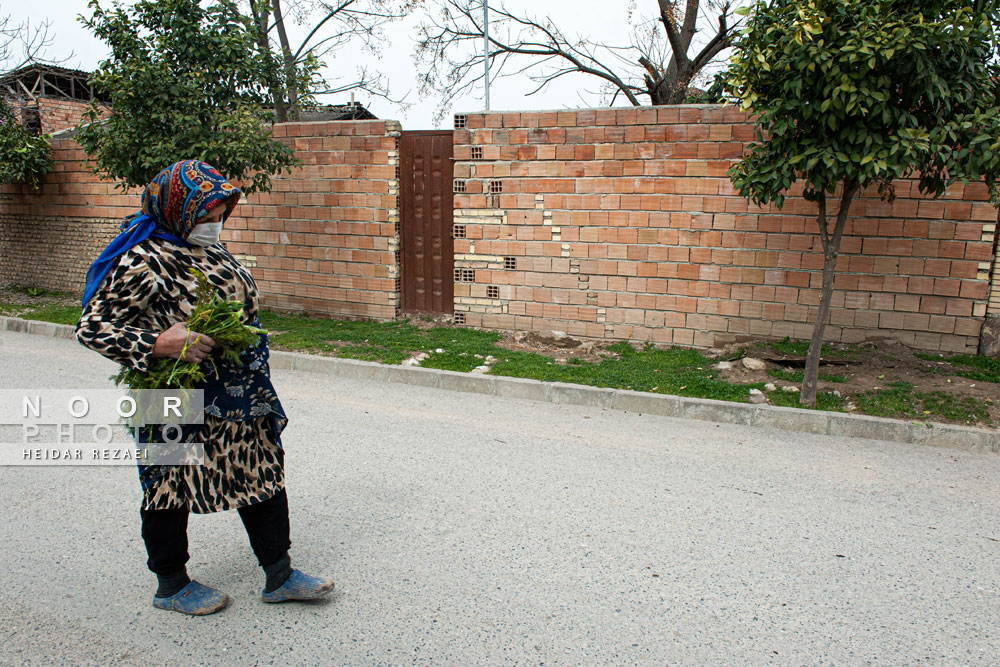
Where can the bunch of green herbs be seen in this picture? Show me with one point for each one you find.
(212, 316)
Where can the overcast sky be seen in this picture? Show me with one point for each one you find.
(602, 20)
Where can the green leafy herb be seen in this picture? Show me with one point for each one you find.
(213, 317)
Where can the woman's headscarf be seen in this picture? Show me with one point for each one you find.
(182, 193)
(171, 205)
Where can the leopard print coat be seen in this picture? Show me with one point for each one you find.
(148, 290)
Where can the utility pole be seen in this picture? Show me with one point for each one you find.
(486, 50)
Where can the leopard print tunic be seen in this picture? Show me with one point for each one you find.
(147, 291)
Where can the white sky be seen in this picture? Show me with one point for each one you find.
(602, 20)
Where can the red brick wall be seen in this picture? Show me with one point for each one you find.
(322, 241)
(60, 114)
(623, 224)
(325, 239)
(49, 237)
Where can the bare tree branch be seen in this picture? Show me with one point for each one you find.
(719, 42)
(331, 26)
(690, 23)
(23, 43)
(656, 65)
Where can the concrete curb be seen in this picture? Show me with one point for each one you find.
(36, 327)
(767, 416)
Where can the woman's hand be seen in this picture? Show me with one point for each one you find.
(171, 342)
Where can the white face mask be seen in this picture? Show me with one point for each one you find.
(205, 233)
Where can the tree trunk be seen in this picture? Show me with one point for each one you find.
(291, 86)
(831, 250)
(677, 89)
(261, 16)
(669, 88)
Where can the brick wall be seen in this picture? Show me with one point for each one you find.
(322, 241)
(49, 237)
(622, 224)
(612, 223)
(59, 114)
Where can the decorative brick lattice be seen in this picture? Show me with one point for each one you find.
(623, 225)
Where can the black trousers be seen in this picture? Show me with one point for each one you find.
(165, 534)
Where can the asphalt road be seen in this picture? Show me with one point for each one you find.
(471, 530)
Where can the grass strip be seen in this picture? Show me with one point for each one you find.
(675, 371)
(46, 312)
(981, 369)
(901, 402)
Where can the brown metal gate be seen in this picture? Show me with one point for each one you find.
(426, 215)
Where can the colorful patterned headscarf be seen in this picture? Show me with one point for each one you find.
(171, 206)
(185, 191)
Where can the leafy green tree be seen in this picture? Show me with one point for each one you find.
(185, 82)
(849, 94)
(24, 157)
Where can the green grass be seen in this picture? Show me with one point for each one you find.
(960, 408)
(46, 312)
(676, 371)
(385, 342)
(896, 401)
(11, 309)
(981, 369)
(51, 312)
(38, 291)
(900, 401)
(798, 376)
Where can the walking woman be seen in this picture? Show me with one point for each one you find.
(138, 298)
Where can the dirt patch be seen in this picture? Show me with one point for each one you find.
(561, 348)
(868, 367)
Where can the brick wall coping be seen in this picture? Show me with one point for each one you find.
(480, 112)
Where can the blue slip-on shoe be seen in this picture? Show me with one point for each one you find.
(195, 599)
(299, 587)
